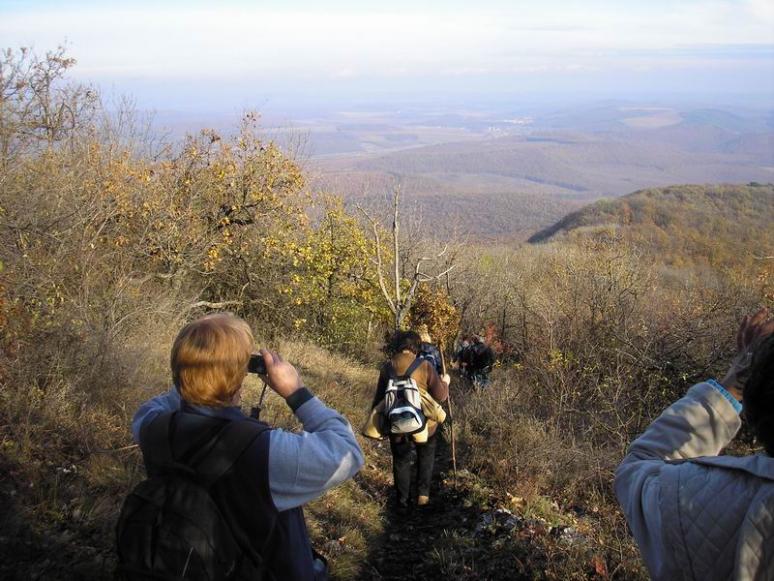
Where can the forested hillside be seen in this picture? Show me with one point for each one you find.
(510, 187)
(723, 225)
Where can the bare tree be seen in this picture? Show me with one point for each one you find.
(400, 297)
(38, 107)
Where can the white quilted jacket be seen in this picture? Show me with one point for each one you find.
(694, 514)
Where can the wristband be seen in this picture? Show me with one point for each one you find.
(298, 398)
(737, 405)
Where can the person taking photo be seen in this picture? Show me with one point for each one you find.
(694, 513)
(225, 492)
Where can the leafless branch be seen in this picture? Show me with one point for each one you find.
(396, 246)
(400, 301)
(379, 261)
(209, 305)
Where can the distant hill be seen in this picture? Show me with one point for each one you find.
(512, 186)
(591, 165)
(505, 176)
(722, 225)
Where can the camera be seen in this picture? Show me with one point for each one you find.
(256, 364)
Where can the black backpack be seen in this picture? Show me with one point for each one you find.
(170, 527)
(481, 357)
(429, 352)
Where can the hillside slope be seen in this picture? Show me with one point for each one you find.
(723, 225)
(60, 509)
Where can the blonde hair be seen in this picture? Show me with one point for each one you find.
(209, 359)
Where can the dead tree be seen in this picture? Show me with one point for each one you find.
(399, 299)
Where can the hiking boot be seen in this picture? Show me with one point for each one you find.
(401, 506)
(402, 509)
(423, 500)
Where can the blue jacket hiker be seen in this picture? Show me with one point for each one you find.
(263, 476)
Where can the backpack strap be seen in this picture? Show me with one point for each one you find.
(230, 443)
(413, 367)
(392, 374)
(157, 436)
(216, 459)
(212, 460)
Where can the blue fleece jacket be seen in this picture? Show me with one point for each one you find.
(301, 466)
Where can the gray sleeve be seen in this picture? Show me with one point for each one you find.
(700, 424)
(303, 466)
(160, 404)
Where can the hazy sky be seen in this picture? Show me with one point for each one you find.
(213, 55)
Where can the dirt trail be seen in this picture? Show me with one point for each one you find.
(412, 545)
(445, 537)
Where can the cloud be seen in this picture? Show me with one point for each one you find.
(719, 52)
(243, 41)
(762, 9)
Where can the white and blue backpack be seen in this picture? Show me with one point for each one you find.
(403, 402)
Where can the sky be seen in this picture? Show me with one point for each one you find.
(219, 55)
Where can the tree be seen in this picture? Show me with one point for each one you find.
(433, 307)
(337, 288)
(37, 107)
(401, 295)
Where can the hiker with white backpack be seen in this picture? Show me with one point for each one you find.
(405, 380)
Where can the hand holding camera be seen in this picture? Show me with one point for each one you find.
(280, 375)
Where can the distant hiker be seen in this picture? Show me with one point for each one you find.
(459, 356)
(478, 360)
(224, 494)
(695, 514)
(405, 365)
(429, 352)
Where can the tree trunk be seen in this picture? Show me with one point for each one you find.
(396, 261)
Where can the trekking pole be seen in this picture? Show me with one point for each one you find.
(451, 422)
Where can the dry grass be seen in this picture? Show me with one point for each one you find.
(70, 476)
(544, 476)
(519, 453)
(69, 460)
(347, 521)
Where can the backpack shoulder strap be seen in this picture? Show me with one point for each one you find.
(229, 444)
(156, 437)
(413, 367)
(391, 373)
